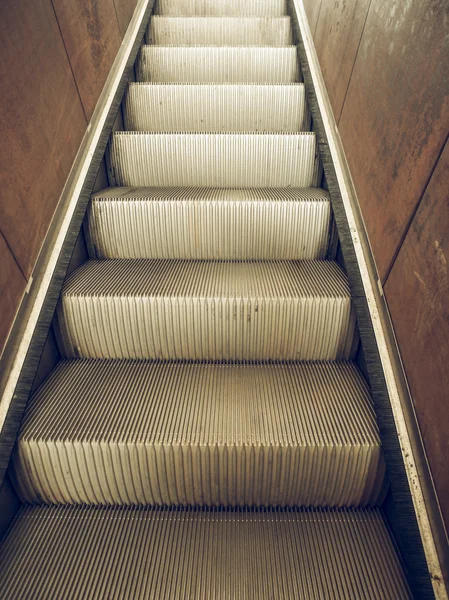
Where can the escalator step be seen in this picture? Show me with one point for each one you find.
(67, 552)
(220, 31)
(134, 432)
(215, 108)
(213, 64)
(214, 160)
(221, 8)
(208, 223)
(175, 309)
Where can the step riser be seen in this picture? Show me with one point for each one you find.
(214, 160)
(209, 229)
(219, 475)
(139, 553)
(221, 8)
(218, 65)
(216, 108)
(173, 31)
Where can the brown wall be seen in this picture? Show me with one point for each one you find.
(55, 57)
(386, 67)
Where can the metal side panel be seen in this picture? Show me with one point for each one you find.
(145, 553)
(221, 8)
(220, 108)
(133, 432)
(213, 160)
(219, 31)
(208, 223)
(175, 309)
(211, 64)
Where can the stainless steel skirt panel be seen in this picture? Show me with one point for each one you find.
(212, 64)
(81, 552)
(219, 31)
(171, 309)
(130, 432)
(213, 160)
(207, 223)
(215, 108)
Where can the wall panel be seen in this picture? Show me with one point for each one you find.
(385, 63)
(337, 39)
(12, 287)
(92, 38)
(396, 114)
(417, 293)
(41, 124)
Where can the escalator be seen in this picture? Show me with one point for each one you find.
(210, 431)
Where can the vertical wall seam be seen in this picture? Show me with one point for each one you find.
(317, 20)
(118, 22)
(13, 255)
(414, 212)
(70, 63)
(353, 65)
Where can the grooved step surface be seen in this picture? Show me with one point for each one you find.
(221, 8)
(152, 107)
(161, 554)
(176, 309)
(219, 31)
(207, 223)
(212, 64)
(128, 432)
(214, 160)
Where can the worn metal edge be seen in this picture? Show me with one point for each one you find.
(27, 338)
(423, 539)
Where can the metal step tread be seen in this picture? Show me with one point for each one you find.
(218, 64)
(208, 223)
(221, 107)
(295, 310)
(221, 8)
(226, 160)
(208, 279)
(219, 31)
(194, 434)
(165, 554)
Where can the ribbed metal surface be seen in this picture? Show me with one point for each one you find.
(126, 432)
(213, 160)
(153, 107)
(209, 64)
(221, 8)
(68, 552)
(208, 223)
(207, 310)
(219, 31)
